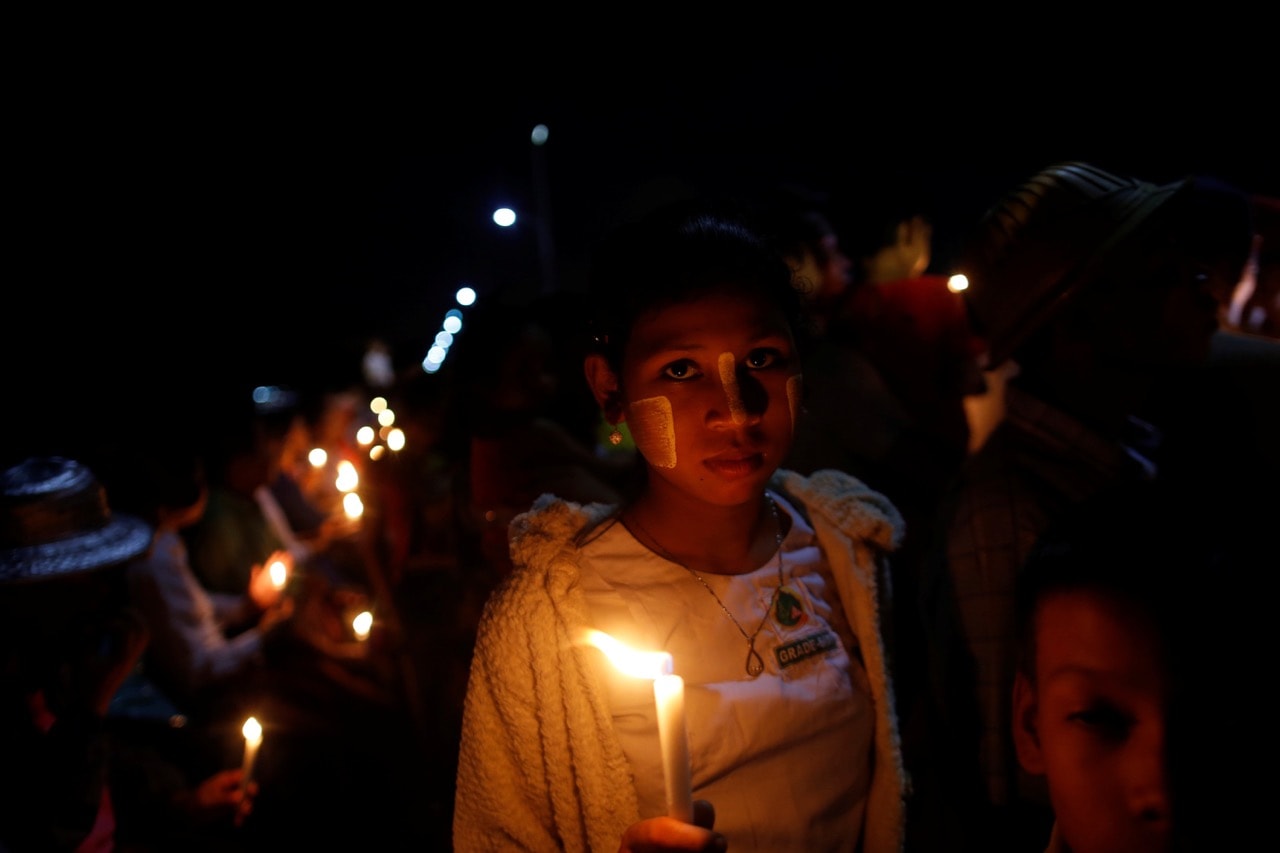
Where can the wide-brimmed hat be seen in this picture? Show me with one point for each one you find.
(1047, 239)
(55, 522)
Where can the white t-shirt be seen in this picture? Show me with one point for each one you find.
(785, 758)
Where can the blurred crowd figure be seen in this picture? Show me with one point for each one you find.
(517, 432)
(206, 643)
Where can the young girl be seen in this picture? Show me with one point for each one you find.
(765, 587)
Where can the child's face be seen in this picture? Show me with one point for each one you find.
(1093, 723)
(709, 391)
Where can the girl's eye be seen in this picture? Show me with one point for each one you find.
(1105, 720)
(682, 370)
(759, 359)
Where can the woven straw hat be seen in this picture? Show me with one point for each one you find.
(55, 522)
(1047, 239)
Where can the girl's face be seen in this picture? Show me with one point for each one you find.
(709, 390)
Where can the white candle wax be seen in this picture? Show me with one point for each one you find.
(252, 740)
(668, 692)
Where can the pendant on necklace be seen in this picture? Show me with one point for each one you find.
(755, 663)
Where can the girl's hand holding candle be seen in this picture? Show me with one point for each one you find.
(668, 694)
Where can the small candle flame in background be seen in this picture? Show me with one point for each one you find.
(348, 478)
(361, 624)
(252, 731)
(279, 573)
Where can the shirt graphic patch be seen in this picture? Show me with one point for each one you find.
(789, 611)
(807, 647)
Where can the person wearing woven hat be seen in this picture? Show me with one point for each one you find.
(1099, 290)
(69, 641)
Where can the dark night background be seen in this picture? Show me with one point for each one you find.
(255, 209)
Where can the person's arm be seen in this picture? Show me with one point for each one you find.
(188, 643)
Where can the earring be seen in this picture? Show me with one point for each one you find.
(615, 437)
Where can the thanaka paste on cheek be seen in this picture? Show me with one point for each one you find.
(654, 430)
(795, 385)
(729, 379)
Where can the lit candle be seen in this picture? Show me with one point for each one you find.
(279, 572)
(348, 478)
(361, 624)
(252, 730)
(668, 694)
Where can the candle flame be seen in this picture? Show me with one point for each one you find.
(635, 663)
(348, 478)
(252, 729)
(362, 623)
(278, 571)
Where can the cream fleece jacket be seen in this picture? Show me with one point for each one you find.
(540, 767)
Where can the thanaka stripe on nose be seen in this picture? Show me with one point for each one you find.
(729, 379)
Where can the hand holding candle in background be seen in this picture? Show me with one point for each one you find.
(267, 581)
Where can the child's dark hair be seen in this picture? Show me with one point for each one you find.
(1153, 544)
(679, 252)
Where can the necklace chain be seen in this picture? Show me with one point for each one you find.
(755, 663)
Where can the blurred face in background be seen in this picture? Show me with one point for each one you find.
(1091, 720)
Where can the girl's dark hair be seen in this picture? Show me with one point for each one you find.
(680, 252)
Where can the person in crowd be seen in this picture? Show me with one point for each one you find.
(1124, 604)
(322, 538)
(306, 528)
(797, 221)
(1102, 289)
(333, 430)
(907, 317)
(766, 587)
(72, 781)
(515, 446)
(233, 534)
(208, 646)
(899, 418)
